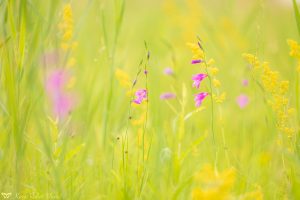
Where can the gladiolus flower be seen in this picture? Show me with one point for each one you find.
(140, 96)
(199, 98)
(197, 79)
(196, 61)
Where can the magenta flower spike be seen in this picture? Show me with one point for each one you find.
(55, 85)
(63, 105)
(242, 100)
(56, 81)
(199, 98)
(167, 96)
(197, 79)
(140, 95)
(196, 61)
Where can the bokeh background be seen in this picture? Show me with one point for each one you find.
(68, 128)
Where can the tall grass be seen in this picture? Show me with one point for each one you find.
(107, 146)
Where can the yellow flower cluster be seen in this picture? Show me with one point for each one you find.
(124, 80)
(219, 97)
(213, 185)
(198, 54)
(295, 52)
(277, 89)
(67, 26)
(252, 60)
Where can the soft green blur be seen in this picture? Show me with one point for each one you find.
(97, 151)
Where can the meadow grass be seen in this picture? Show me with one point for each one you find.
(97, 99)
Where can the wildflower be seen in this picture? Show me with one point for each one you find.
(283, 87)
(196, 61)
(198, 54)
(199, 98)
(167, 95)
(66, 27)
(295, 48)
(62, 102)
(140, 96)
(219, 98)
(216, 83)
(56, 81)
(245, 82)
(242, 100)
(197, 79)
(123, 78)
(210, 62)
(67, 24)
(214, 71)
(139, 121)
(168, 71)
(71, 62)
(145, 72)
(213, 185)
(252, 60)
(270, 78)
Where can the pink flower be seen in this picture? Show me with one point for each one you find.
(62, 105)
(245, 82)
(196, 61)
(140, 95)
(168, 71)
(55, 84)
(199, 98)
(167, 95)
(56, 81)
(197, 79)
(242, 100)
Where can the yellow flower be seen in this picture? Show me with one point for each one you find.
(214, 71)
(269, 78)
(123, 78)
(252, 60)
(71, 82)
(295, 48)
(66, 27)
(219, 98)
(71, 62)
(283, 87)
(211, 62)
(197, 51)
(216, 83)
(277, 90)
(213, 185)
(140, 121)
